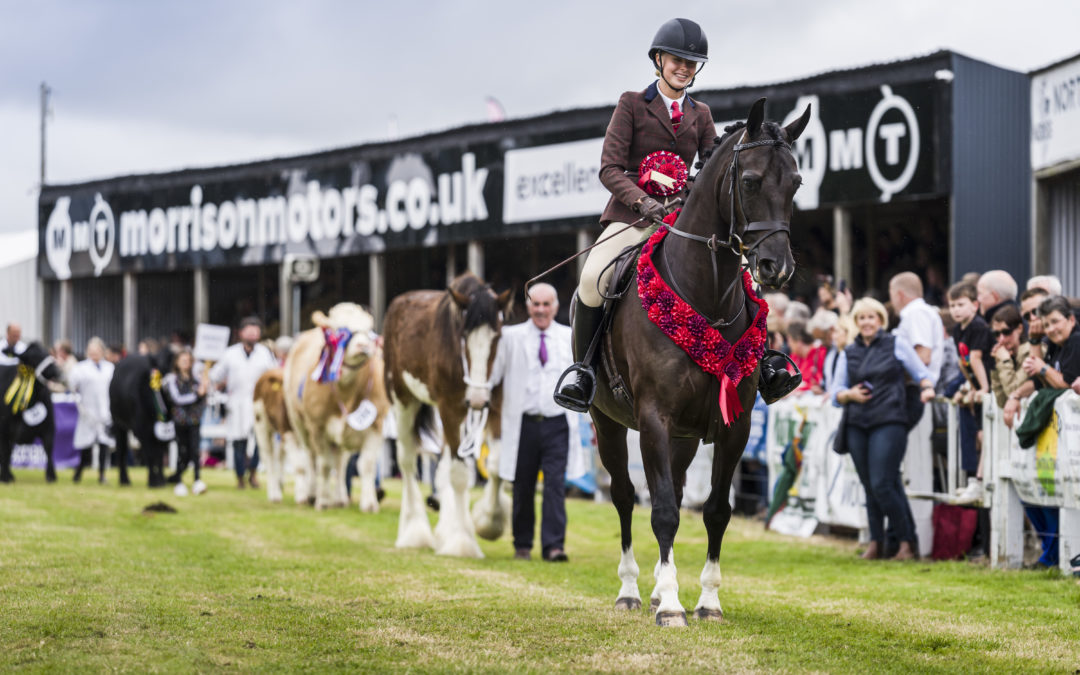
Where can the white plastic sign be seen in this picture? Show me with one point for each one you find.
(164, 431)
(210, 342)
(363, 417)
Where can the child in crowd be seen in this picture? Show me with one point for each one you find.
(972, 337)
(809, 357)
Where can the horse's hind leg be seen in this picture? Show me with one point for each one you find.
(47, 440)
(611, 442)
(414, 530)
(717, 514)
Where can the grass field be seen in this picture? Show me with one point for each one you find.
(88, 583)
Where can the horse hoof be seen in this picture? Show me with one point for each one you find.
(654, 604)
(7, 479)
(677, 619)
(380, 494)
(628, 604)
(50, 478)
(703, 614)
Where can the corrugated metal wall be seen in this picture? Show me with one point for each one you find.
(991, 169)
(20, 301)
(97, 310)
(1064, 220)
(166, 303)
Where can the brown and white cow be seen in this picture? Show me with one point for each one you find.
(336, 401)
(440, 346)
(271, 416)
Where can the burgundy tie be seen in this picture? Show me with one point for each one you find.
(543, 350)
(676, 115)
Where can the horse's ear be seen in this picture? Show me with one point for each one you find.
(756, 117)
(459, 298)
(795, 129)
(319, 319)
(504, 299)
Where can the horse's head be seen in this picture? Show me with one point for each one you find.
(350, 326)
(757, 192)
(482, 315)
(36, 358)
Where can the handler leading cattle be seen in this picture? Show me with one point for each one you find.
(238, 370)
(336, 400)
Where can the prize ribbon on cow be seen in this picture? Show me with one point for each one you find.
(21, 390)
(333, 354)
(662, 174)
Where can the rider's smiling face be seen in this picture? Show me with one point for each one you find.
(678, 72)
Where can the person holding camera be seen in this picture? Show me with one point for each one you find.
(876, 422)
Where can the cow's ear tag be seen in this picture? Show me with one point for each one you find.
(364, 415)
(35, 415)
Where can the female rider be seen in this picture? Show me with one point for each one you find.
(662, 117)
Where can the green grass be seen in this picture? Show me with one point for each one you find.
(87, 583)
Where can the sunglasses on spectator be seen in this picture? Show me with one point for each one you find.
(1028, 315)
(998, 333)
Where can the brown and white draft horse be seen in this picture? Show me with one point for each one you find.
(440, 347)
(743, 193)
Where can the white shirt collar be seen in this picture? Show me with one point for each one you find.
(668, 101)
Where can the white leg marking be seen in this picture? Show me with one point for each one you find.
(667, 586)
(492, 510)
(455, 537)
(709, 602)
(414, 530)
(628, 574)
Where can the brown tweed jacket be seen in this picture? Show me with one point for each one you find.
(640, 125)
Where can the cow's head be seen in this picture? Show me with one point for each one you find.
(348, 330)
(37, 359)
(482, 313)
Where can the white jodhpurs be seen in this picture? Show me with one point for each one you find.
(608, 245)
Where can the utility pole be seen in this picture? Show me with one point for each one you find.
(45, 91)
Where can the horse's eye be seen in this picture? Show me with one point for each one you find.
(751, 183)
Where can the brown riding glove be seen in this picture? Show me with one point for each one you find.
(650, 209)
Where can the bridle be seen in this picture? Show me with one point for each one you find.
(734, 242)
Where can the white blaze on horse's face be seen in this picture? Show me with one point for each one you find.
(479, 343)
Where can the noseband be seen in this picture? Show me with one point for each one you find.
(734, 242)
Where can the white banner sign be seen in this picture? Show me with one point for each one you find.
(1055, 116)
(210, 342)
(554, 181)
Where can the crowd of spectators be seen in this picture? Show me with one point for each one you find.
(880, 358)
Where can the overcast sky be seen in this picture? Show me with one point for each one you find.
(154, 86)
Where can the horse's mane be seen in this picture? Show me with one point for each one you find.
(770, 130)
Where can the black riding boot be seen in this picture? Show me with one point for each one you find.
(578, 394)
(775, 381)
(85, 458)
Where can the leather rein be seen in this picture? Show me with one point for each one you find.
(734, 242)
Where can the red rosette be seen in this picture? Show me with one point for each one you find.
(667, 164)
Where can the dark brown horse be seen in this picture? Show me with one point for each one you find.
(743, 194)
(439, 349)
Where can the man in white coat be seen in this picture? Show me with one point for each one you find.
(90, 379)
(537, 435)
(238, 371)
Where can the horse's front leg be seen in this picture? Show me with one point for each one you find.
(717, 513)
(491, 511)
(611, 444)
(656, 455)
(47, 440)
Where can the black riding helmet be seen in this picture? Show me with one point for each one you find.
(683, 38)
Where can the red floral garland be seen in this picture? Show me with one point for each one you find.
(666, 163)
(692, 332)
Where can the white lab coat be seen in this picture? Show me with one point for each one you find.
(528, 387)
(91, 384)
(240, 371)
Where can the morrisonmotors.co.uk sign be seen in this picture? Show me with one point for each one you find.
(257, 219)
